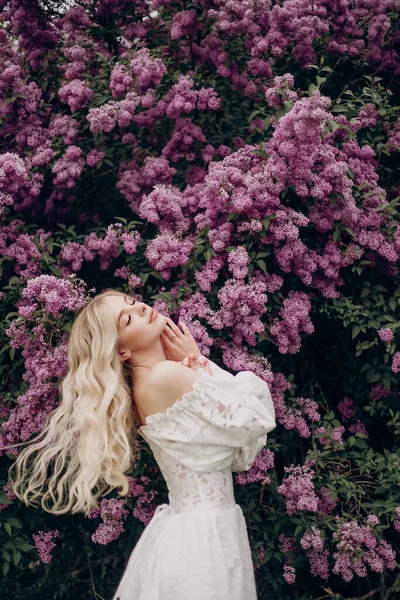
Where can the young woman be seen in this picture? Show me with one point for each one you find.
(201, 422)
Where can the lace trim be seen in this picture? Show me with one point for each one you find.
(257, 385)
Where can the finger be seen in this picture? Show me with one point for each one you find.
(164, 337)
(168, 336)
(185, 328)
(174, 327)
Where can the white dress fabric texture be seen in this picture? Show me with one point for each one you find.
(196, 547)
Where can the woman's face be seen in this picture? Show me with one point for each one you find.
(132, 318)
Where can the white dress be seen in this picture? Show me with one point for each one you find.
(196, 547)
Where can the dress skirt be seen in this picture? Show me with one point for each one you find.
(197, 554)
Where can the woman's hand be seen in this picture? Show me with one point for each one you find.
(194, 363)
(178, 345)
(197, 363)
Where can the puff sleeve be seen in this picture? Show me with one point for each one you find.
(222, 422)
(245, 455)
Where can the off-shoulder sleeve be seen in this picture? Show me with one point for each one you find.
(223, 421)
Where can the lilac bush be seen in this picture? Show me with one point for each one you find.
(233, 162)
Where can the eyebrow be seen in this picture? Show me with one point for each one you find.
(121, 313)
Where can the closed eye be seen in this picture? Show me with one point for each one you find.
(129, 318)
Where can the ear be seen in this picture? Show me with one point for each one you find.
(124, 354)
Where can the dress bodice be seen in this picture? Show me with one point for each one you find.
(217, 428)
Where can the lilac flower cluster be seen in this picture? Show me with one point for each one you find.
(69, 167)
(167, 251)
(112, 513)
(76, 94)
(294, 319)
(182, 98)
(120, 81)
(317, 554)
(148, 70)
(396, 362)
(144, 507)
(335, 436)
(15, 184)
(184, 23)
(260, 557)
(357, 549)
(298, 488)
(347, 409)
(43, 541)
(264, 462)
(386, 335)
(43, 362)
(74, 254)
(113, 113)
(134, 180)
(55, 295)
(93, 157)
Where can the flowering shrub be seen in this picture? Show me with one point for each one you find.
(234, 161)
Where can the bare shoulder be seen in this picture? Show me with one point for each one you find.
(168, 382)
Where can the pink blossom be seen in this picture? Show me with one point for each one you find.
(69, 167)
(93, 157)
(120, 81)
(112, 512)
(149, 71)
(351, 557)
(184, 22)
(238, 261)
(166, 251)
(298, 489)
(76, 94)
(264, 461)
(55, 295)
(44, 544)
(386, 335)
(294, 317)
(396, 362)
(289, 574)
(347, 409)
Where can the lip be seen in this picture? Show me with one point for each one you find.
(153, 315)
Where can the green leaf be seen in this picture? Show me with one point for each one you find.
(374, 378)
(298, 529)
(5, 567)
(7, 527)
(262, 265)
(25, 546)
(254, 114)
(15, 522)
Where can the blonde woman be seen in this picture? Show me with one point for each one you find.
(201, 422)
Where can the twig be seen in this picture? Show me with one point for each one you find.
(366, 596)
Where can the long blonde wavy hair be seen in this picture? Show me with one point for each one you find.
(89, 441)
